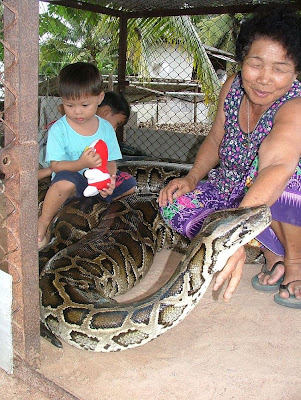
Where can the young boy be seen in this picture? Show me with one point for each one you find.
(113, 108)
(80, 87)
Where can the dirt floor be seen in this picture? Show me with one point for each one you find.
(248, 349)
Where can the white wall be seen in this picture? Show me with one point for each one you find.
(6, 339)
(169, 62)
(171, 111)
(164, 145)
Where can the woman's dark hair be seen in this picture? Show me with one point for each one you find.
(79, 79)
(117, 103)
(279, 24)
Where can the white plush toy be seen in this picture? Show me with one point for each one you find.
(99, 177)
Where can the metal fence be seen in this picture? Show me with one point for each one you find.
(167, 81)
(171, 84)
(171, 103)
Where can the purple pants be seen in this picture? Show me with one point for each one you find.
(187, 214)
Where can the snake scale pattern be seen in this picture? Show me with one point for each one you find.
(98, 251)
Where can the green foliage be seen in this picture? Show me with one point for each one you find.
(147, 34)
(220, 31)
(69, 35)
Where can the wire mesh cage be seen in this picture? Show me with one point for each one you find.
(175, 67)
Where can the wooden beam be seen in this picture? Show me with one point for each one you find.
(202, 10)
(86, 7)
(235, 9)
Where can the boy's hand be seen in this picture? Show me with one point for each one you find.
(90, 159)
(110, 189)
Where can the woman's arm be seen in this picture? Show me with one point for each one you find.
(279, 155)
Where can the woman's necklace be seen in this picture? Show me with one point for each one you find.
(246, 143)
(248, 118)
(248, 135)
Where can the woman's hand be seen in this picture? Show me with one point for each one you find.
(232, 271)
(176, 188)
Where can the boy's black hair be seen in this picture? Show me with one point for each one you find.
(279, 24)
(79, 79)
(118, 104)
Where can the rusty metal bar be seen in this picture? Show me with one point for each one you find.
(19, 162)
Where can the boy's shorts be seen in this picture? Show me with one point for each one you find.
(124, 182)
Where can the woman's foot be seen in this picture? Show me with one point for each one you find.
(292, 281)
(290, 290)
(271, 274)
(265, 280)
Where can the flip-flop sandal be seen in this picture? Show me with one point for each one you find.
(292, 301)
(267, 288)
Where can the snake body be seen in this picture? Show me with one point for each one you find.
(99, 251)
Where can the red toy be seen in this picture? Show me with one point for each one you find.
(99, 177)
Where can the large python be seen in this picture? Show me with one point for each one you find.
(98, 251)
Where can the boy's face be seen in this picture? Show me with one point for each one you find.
(115, 120)
(83, 109)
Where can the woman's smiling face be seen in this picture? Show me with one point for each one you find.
(267, 72)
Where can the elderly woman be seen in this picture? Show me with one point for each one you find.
(256, 139)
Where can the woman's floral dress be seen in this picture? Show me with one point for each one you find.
(227, 184)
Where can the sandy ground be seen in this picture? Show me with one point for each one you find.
(248, 349)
